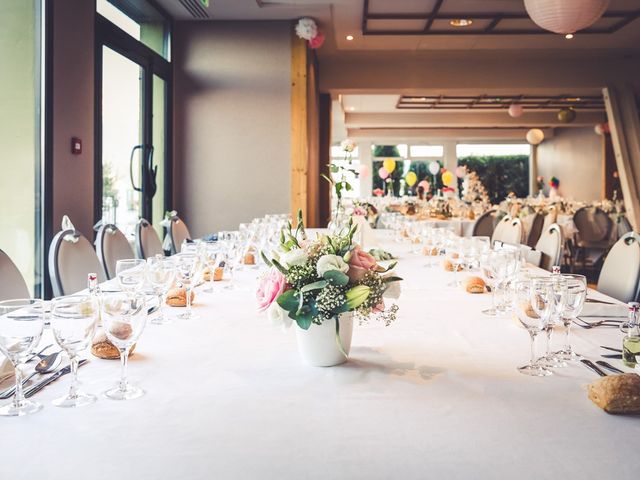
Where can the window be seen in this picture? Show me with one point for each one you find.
(140, 20)
(20, 87)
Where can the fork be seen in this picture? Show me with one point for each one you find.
(599, 323)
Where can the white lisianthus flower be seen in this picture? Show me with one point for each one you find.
(278, 316)
(294, 257)
(348, 145)
(306, 28)
(394, 289)
(331, 262)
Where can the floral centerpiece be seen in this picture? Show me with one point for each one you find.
(321, 285)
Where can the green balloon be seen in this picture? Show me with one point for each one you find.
(566, 115)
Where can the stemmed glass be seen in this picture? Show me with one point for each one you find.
(160, 274)
(187, 271)
(559, 298)
(131, 274)
(21, 325)
(124, 316)
(210, 254)
(533, 307)
(494, 270)
(575, 298)
(73, 321)
(231, 260)
(455, 252)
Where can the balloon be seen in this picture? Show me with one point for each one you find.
(461, 171)
(424, 184)
(317, 41)
(411, 178)
(434, 167)
(535, 136)
(566, 115)
(364, 171)
(515, 110)
(598, 129)
(389, 165)
(382, 173)
(448, 178)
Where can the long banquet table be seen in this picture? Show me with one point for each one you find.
(434, 395)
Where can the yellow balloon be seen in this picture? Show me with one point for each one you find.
(389, 165)
(447, 178)
(411, 178)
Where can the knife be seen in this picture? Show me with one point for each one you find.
(40, 385)
(616, 356)
(611, 348)
(589, 364)
(609, 366)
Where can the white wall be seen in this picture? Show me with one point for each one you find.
(575, 157)
(232, 122)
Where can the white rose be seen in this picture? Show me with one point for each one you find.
(331, 262)
(278, 316)
(294, 257)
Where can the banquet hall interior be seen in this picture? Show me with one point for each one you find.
(189, 182)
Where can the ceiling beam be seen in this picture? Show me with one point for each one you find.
(465, 134)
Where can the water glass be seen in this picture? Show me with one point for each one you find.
(21, 325)
(187, 273)
(575, 298)
(160, 275)
(73, 322)
(131, 274)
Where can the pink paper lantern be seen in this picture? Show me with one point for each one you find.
(382, 173)
(317, 41)
(515, 110)
(461, 171)
(565, 16)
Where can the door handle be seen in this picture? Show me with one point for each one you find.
(151, 172)
(133, 151)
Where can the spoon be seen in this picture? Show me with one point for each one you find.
(46, 365)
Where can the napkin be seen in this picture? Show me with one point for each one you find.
(595, 309)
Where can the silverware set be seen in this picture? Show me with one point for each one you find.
(596, 367)
(605, 322)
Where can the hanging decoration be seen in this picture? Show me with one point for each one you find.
(565, 16)
(566, 115)
(515, 110)
(601, 128)
(307, 29)
(434, 168)
(461, 171)
(389, 165)
(448, 178)
(535, 136)
(382, 173)
(425, 185)
(411, 178)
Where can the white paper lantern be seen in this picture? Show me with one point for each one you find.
(515, 110)
(565, 16)
(535, 136)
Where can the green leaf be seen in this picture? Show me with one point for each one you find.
(300, 303)
(279, 267)
(304, 322)
(314, 286)
(334, 169)
(341, 309)
(390, 267)
(336, 277)
(288, 300)
(265, 259)
(392, 279)
(347, 186)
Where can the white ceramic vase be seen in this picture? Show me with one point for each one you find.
(318, 346)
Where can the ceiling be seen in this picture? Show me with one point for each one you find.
(400, 24)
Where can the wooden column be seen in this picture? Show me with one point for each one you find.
(299, 126)
(324, 159)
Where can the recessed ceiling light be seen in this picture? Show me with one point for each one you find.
(349, 37)
(461, 22)
(569, 36)
(351, 109)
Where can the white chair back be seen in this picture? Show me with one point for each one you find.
(498, 232)
(178, 233)
(148, 242)
(111, 246)
(620, 272)
(71, 258)
(509, 231)
(550, 246)
(12, 284)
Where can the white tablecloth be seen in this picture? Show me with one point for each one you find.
(435, 395)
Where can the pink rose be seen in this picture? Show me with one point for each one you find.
(359, 263)
(271, 286)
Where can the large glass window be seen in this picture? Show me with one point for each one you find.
(20, 87)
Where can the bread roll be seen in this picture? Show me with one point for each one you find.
(475, 285)
(617, 394)
(249, 258)
(217, 274)
(177, 297)
(103, 348)
(448, 266)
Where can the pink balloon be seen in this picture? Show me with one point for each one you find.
(515, 110)
(317, 41)
(382, 173)
(424, 184)
(364, 171)
(461, 171)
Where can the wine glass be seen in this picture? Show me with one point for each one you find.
(493, 266)
(160, 274)
(559, 298)
(187, 272)
(210, 255)
(575, 298)
(533, 307)
(455, 254)
(21, 325)
(73, 322)
(124, 316)
(131, 274)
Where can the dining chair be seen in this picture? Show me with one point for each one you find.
(550, 218)
(12, 284)
(71, 258)
(178, 233)
(509, 231)
(498, 231)
(536, 229)
(550, 246)
(623, 227)
(111, 246)
(620, 272)
(147, 241)
(486, 223)
(594, 230)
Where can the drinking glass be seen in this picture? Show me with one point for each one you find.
(187, 272)
(210, 255)
(494, 270)
(73, 322)
(160, 274)
(532, 308)
(131, 274)
(455, 255)
(575, 298)
(559, 298)
(124, 316)
(21, 324)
